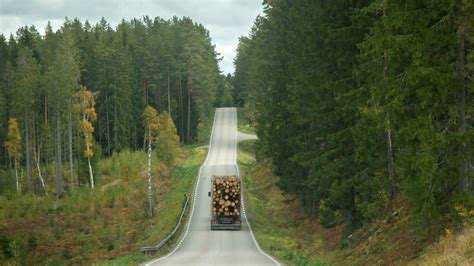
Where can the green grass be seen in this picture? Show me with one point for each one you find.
(451, 249)
(168, 210)
(264, 202)
(295, 238)
(243, 122)
(104, 226)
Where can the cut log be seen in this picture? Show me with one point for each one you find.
(225, 196)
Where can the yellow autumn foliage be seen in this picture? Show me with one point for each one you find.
(90, 112)
(167, 141)
(162, 133)
(85, 107)
(151, 123)
(463, 212)
(13, 143)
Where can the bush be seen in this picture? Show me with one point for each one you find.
(15, 250)
(4, 251)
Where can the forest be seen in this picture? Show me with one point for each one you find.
(358, 106)
(359, 103)
(170, 65)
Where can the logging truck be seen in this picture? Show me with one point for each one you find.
(225, 203)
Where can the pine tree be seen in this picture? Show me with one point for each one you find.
(8, 78)
(24, 89)
(224, 94)
(61, 79)
(168, 64)
(4, 51)
(358, 102)
(2, 126)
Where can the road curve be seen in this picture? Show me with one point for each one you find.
(200, 245)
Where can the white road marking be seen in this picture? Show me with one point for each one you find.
(196, 189)
(243, 204)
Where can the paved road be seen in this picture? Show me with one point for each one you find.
(201, 246)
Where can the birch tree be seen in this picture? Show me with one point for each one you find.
(151, 124)
(85, 106)
(167, 139)
(13, 145)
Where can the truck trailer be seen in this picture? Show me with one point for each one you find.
(225, 203)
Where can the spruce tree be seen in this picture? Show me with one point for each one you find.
(24, 91)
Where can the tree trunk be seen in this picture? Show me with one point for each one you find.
(390, 168)
(314, 207)
(37, 160)
(169, 94)
(46, 109)
(100, 130)
(71, 164)
(59, 178)
(145, 93)
(28, 156)
(10, 166)
(189, 88)
(36, 154)
(464, 183)
(391, 175)
(188, 131)
(150, 188)
(107, 121)
(145, 103)
(181, 109)
(91, 175)
(115, 116)
(78, 161)
(158, 100)
(16, 176)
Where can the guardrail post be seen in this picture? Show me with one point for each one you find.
(153, 250)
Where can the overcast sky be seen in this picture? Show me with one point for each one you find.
(226, 20)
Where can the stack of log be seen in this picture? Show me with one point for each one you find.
(226, 196)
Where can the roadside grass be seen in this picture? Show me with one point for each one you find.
(451, 249)
(87, 227)
(270, 211)
(294, 238)
(204, 129)
(168, 210)
(243, 122)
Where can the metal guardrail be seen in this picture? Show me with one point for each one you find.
(154, 249)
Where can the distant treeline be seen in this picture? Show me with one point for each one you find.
(360, 102)
(170, 65)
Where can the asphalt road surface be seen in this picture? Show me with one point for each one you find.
(200, 245)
